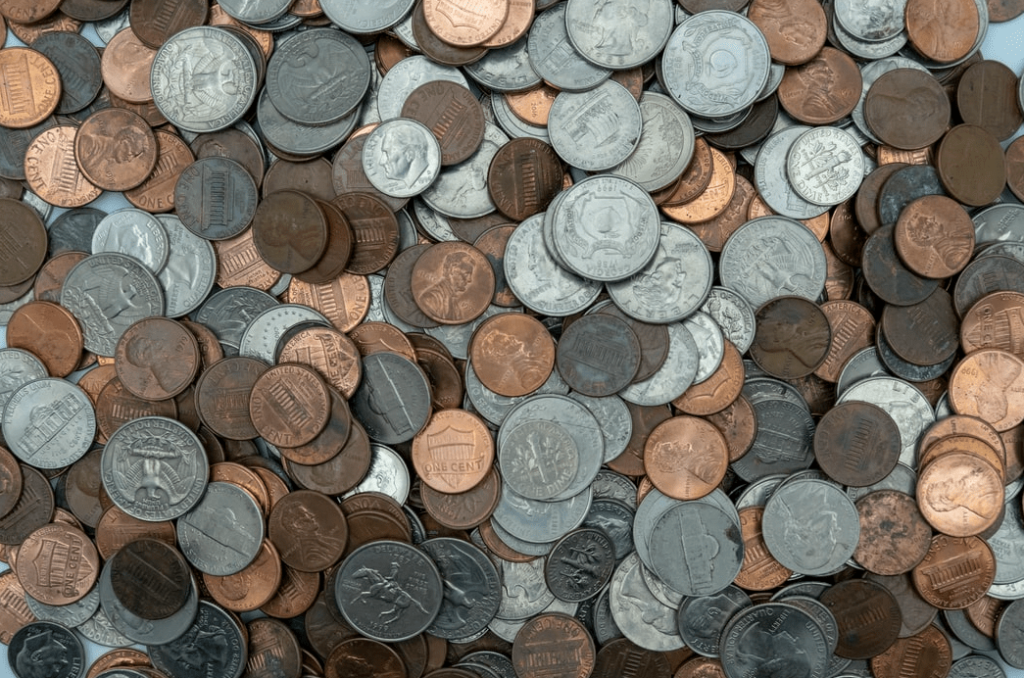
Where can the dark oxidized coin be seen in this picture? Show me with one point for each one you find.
(150, 578)
(857, 443)
(903, 187)
(970, 164)
(472, 588)
(868, 615)
(290, 231)
(886, 275)
(357, 656)
(580, 565)
(374, 229)
(215, 644)
(598, 355)
(524, 177)
(222, 397)
(792, 339)
(622, 658)
(701, 619)
(926, 654)
(23, 242)
(907, 108)
(925, 333)
(47, 649)
(987, 96)
(215, 198)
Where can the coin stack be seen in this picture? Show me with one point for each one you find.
(510, 339)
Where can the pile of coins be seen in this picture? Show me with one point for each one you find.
(511, 338)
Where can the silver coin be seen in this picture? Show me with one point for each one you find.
(537, 279)
(1008, 544)
(213, 644)
(189, 273)
(99, 630)
(508, 629)
(49, 423)
(674, 376)
(696, 549)
(497, 662)
(597, 129)
(863, 48)
(606, 228)
(300, 139)
(604, 627)
(461, 191)
(42, 208)
(154, 468)
(907, 406)
(999, 223)
(674, 283)
(146, 631)
(758, 389)
(538, 459)
(512, 125)
(393, 398)
(388, 474)
(638, 614)
(733, 315)
(758, 492)
(255, 11)
(554, 58)
(811, 527)
(108, 28)
(407, 75)
(435, 224)
(770, 177)
(222, 534)
(203, 79)
(963, 631)
(107, 293)
(540, 521)
(17, 368)
(902, 478)
(619, 34)
(580, 565)
(472, 588)
(506, 69)
(770, 257)
(70, 615)
(869, 73)
(715, 63)
(666, 144)
(874, 22)
(494, 407)
(825, 165)
(612, 416)
(229, 312)
(135, 233)
(976, 666)
(861, 365)
(401, 158)
(318, 76)
(710, 344)
(361, 18)
(262, 335)
(702, 619)
(527, 548)
(653, 506)
(783, 443)
(774, 637)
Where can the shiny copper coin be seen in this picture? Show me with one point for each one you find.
(14, 611)
(452, 113)
(223, 395)
(126, 65)
(907, 108)
(492, 243)
(465, 510)
(795, 31)
(935, 236)
(915, 156)
(357, 655)
(894, 536)
(719, 390)
(853, 329)
(295, 595)
(644, 420)
(374, 228)
(857, 444)
(465, 23)
(989, 384)
(454, 452)
(308, 530)
(116, 406)
(949, 39)
(340, 473)
(50, 332)
(512, 354)
(51, 170)
(598, 355)
(533, 105)
(992, 323)
(960, 425)
(331, 353)
(738, 423)
(290, 231)
(987, 96)
(956, 572)
(924, 333)
(154, 21)
(23, 242)
(695, 179)
(156, 193)
(239, 263)
(558, 642)
(714, 232)
(115, 149)
(970, 165)
(823, 90)
(58, 564)
(713, 200)
(866, 203)
(452, 283)
(960, 494)
(965, 444)
(792, 339)
(31, 85)
(524, 177)
(150, 578)
(157, 358)
(116, 529)
(375, 337)
(760, 570)
(869, 617)
(290, 405)
(686, 457)
(345, 300)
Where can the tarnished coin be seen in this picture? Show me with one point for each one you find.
(886, 274)
(894, 535)
(157, 358)
(969, 165)
(773, 636)
(793, 337)
(219, 642)
(290, 231)
(51, 170)
(46, 648)
(24, 242)
(223, 393)
(907, 108)
(580, 565)
(450, 111)
(468, 575)
(524, 177)
(598, 355)
(308, 530)
(857, 444)
(215, 198)
(150, 578)
(559, 641)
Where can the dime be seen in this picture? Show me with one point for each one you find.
(825, 165)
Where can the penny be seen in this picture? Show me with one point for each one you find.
(157, 358)
(945, 41)
(894, 535)
(155, 22)
(967, 560)
(986, 96)
(454, 452)
(51, 170)
(686, 457)
(308, 530)
(984, 385)
(156, 192)
(363, 654)
(296, 594)
(944, 478)
(711, 201)
(822, 90)
(289, 405)
(760, 570)
(437, 49)
(935, 236)
(240, 265)
(598, 355)
(33, 85)
(969, 165)
(50, 332)
(886, 275)
(126, 63)
(115, 406)
(233, 144)
(793, 337)
(493, 243)
(452, 114)
(866, 205)
(512, 354)
(788, 46)
(695, 179)
(33, 509)
(115, 149)
(22, 244)
(557, 641)
(290, 231)
(719, 391)
(988, 323)
(223, 395)
(116, 529)
(857, 444)
(59, 564)
(524, 177)
(1014, 161)
(907, 108)
(465, 510)
(374, 229)
(868, 615)
(150, 579)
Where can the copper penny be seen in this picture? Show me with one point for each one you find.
(272, 643)
(713, 200)
(718, 391)
(58, 564)
(984, 614)
(644, 420)
(857, 444)
(960, 425)
(465, 510)
(23, 12)
(348, 176)
(760, 570)
(960, 494)
(337, 251)
(446, 388)
(56, 22)
(989, 384)
(701, 667)
(517, 23)
(465, 23)
(935, 236)
(452, 283)
(452, 113)
(127, 658)
(894, 536)
(686, 457)
(31, 86)
(653, 342)
(50, 332)
(345, 300)
(865, 204)
(924, 333)
(290, 231)
(93, 381)
(289, 405)
(156, 193)
(714, 232)
(115, 149)
(598, 355)
(907, 108)
(944, 40)
(622, 657)
(16, 292)
(792, 338)
(1004, 10)
(312, 177)
(154, 21)
(558, 642)
(340, 473)
(243, 477)
(853, 329)
(987, 96)
(512, 353)
(23, 242)
(308, 530)
(369, 526)
(116, 406)
(14, 611)
(331, 353)
(738, 423)
(375, 337)
(51, 170)
(968, 445)
(157, 358)
(209, 348)
(695, 179)
(116, 529)
(150, 578)
(223, 395)
(887, 155)
(126, 65)
(362, 655)
(454, 451)
(885, 274)
(970, 165)
(264, 39)
(956, 572)
(92, 10)
(795, 31)
(823, 90)
(492, 244)
(240, 264)
(869, 617)
(389, 50)
(437, 49)
(48, 283)
(524, 177)
(295, 595)
(10, 482)
(992, 323)
(374, 229)
(532, 106)
(1014, 163)
(33, 509)
(81, 487)
(398, 287)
